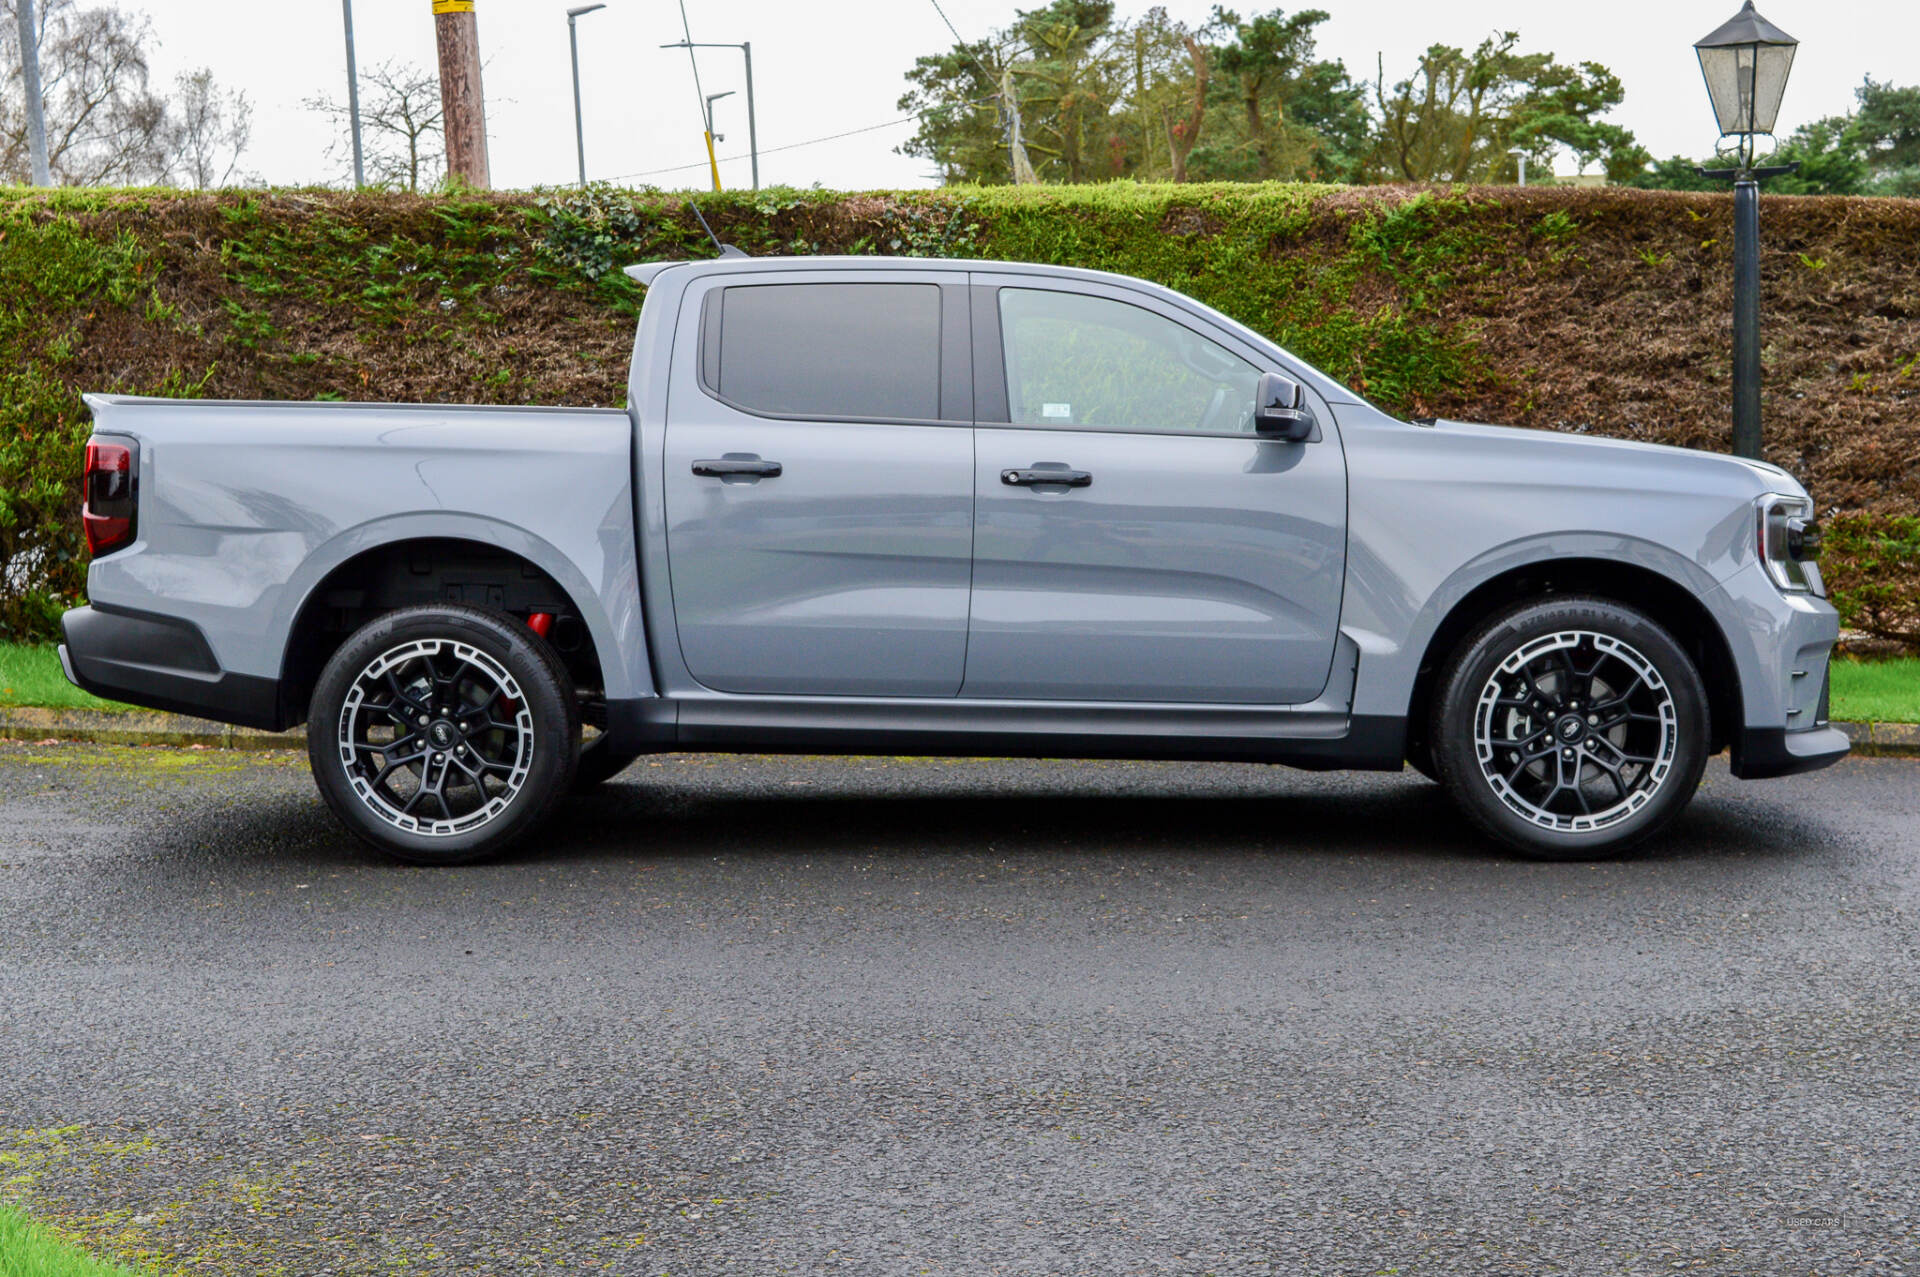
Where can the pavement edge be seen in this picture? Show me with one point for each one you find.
(138, 727)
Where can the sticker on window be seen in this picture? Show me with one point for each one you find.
(1060, 411)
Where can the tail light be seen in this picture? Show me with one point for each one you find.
(110, 497)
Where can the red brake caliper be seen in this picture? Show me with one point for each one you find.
(539, 623)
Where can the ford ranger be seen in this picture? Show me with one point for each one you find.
(951, 507)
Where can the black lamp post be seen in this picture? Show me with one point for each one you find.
(1746, 63)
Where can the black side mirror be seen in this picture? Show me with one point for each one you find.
(1280, 409)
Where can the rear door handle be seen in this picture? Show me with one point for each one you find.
(1033, 478)
(723, 467)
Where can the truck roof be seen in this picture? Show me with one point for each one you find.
(645, 273)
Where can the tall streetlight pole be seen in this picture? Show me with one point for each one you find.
(711, 161)
(753, 132)
(353, 100)
(573, 43)
(1746, 62)
(36, 104)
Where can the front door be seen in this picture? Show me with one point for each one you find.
(1177, 558)
(819, 486)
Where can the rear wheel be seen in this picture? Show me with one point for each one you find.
(1570, 728)
(442, 734)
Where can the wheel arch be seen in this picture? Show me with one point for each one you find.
(1670, 603)
(363, 580)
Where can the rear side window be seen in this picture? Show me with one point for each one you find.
(828, 350)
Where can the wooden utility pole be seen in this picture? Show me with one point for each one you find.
(464, 105)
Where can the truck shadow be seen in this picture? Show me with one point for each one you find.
(791, 809)
(1168, 808)
(1387, 817)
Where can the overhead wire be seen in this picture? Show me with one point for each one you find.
(812, 141)
(959, 43)
(699, 99)
(1004, 84)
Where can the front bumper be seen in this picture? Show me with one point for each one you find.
(1782, 645)
(161, 662)
(1761, 752)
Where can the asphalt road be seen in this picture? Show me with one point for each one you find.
(892, 1017)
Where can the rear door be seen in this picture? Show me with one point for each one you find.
(1180, 558)
(819, 483)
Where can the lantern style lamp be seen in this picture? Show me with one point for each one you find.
(1746, 63)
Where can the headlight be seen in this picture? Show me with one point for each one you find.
(1788, 541)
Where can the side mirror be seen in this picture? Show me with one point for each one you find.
(1280, 409)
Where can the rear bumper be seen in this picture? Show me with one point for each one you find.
(1761, 752)
(162, 662)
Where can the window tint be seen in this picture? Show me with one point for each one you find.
(832, 350)
(1075, 360)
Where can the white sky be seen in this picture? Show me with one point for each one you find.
(824, 66)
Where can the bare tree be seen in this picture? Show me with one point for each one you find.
(211, 131)
(104, 125)
(400, 120)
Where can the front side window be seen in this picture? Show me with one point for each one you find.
(1076, 360)
(830, 350)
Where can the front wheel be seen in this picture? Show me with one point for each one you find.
(1570, 728)
(441, 734)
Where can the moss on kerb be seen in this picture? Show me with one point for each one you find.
(155, 761)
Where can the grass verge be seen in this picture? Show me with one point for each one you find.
(30, 675)
(29, 1250)
(1877, 691)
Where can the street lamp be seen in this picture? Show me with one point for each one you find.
(353, 95)
(573, 44)
(1745, 64)
(746, 48)
(712, 136)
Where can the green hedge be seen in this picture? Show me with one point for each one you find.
(1598, 311)
(1874, 563)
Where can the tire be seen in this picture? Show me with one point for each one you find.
(498, 750)
(1570, 681)
(600, 763)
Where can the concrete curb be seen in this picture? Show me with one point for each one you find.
(1896, 740)
(138, 727)
(142, 727)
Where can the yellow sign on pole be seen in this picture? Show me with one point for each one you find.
(452, 6)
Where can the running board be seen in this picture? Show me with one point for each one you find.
(1305, 737)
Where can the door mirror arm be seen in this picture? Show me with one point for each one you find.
(1280, 409)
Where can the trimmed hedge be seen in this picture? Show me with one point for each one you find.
(1596, 311)
(1874, 562)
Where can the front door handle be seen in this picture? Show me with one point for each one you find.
(1034, 478)
(726, 467)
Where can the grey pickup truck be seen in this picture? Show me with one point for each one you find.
(951, 507)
